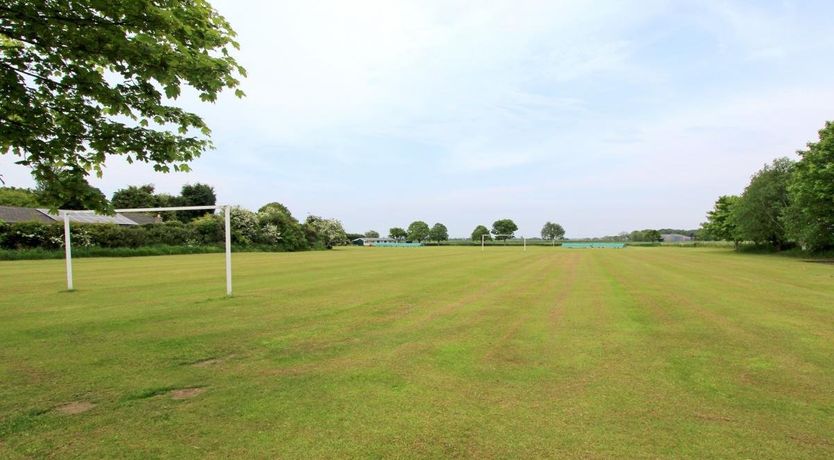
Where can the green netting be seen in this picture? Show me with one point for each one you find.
(594, 244)
(395, 245)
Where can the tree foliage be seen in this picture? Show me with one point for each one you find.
(195, 195)
(372, 234)
(278, 227)
(397, 233)
(720, 225)
(552, 231)
(418, 231)
(21, 197)
(810, 216)
(327, 232)
(504, 227)
(135, 197)
(438, 233)
(759, 213)
(85, 79)
(479, 233)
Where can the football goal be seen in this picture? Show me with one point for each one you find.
(483, 238)
(79, 216)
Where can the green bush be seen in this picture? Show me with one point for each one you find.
(171, 233)
(209, 229)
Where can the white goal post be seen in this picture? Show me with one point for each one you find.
(508, 235)
(226, 210)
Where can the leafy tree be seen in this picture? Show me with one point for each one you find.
(397, 233)
(418, 231)
(810, 216)
(479, 231)
(759, 213)
(85, 79)
(647, 235)
(372, 234)
(438, 233)
(328, 232)
(21, 197)
(353, 236)
(195, 195)
(53, 183)
(552, 231)
(275, 206)
(720, 225)
(134, 197)
(244, 225)
(504, 227)
(281, 228)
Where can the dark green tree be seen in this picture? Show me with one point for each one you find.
(720, 225)
(479, 231)
(21, 197)
(372, 234)
(504, 227)
(134, 197)
(195, 195)
(552, 231)
(50, 189)
(438, 233)
(810, 216)
(418, 231)
(281, 228)
(82, 80)
(397, 233)
(759, 214)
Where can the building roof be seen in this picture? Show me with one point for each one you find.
(13, 214)
(143, 218)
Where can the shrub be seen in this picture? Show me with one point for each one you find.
(171, 233)
(209, 228)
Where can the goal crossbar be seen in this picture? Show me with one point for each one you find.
(227, 218)
(483, 237)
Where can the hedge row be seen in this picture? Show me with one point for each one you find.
(34, 235)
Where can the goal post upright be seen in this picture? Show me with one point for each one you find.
(483, 236)
(68, 250)
(227, 224)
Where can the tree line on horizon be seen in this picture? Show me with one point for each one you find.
(787, 203)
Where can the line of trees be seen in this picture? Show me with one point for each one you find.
(786, 203)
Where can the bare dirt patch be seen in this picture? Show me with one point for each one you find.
(207, 362)
(186, 393)
(75, 407)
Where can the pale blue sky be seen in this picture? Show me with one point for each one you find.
(604, 116)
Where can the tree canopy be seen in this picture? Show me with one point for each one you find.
(397, 233)
(504, 227)
(810, 216)
(135, 197)
(372, 234)
(759, 213)
(552, 231)
(23, 197)
(479, 233)
(720, 225)
(87, 79)
(418, 231)
(438, 233)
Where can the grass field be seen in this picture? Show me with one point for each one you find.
(430, 352)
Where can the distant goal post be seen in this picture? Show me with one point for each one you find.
(483, 239)
(228, 241)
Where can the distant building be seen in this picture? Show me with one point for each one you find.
(675, 238)
(371, 241)
(13, 214)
